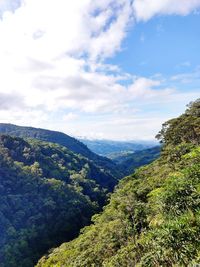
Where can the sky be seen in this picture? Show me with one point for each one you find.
(109, 69)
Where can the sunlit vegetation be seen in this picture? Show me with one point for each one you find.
(47, 193)
(153, 217)
(129, 162)
(64, 140)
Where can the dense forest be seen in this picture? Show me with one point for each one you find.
(153, 217)
(47, 193)
(127, 155)
(50, 187)
(62, 139)
(131, 161)
(117, 158)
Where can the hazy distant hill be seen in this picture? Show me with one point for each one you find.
(62, 139)
(130, 161)
(153, 218)
(111, 148)
(127, 155)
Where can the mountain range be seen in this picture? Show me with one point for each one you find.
(46, 175)
(62, 139)
(110, 148)
(51, 185)
(153, 217)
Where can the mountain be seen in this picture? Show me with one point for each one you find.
(61, 139)
(153, 217)
(47, 193)
(109, 148)
(127, 155)
(130, 161)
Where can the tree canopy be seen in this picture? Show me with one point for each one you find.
(47, 193)
(153, 217)
(185, 128)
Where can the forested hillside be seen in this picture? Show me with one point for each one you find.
(153, 218)
(47, 193)
(61, 139)
(123, 162)
(131, 161)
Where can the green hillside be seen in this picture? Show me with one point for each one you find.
(153, 218)
(47, 193)
(128, 162)
(63, 140)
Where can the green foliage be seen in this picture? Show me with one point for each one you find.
(64, 140)
(153, 218)
(129, 162)
(47, 193)
(185, 128)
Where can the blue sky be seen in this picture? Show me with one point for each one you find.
(100, 69)
(164, 44)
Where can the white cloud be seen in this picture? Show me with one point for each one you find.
(47, 30)
(8, 5)
(8, 100)
(146, 9)
(52, 64)
(69, 117)
(42, 44)
(187, 77)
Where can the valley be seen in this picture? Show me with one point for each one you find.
(51, 187)
(99, 133)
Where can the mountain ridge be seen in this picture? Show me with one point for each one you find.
(153, 217)
(61, 138)
(47, 193)
(108, 147)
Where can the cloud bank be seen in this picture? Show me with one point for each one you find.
(53, 69)
(145, 9)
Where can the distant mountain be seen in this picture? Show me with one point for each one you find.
(47, 193)
(62, 139)
(127, 155)
(130, 161)
(109, 148)
(153, 217)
